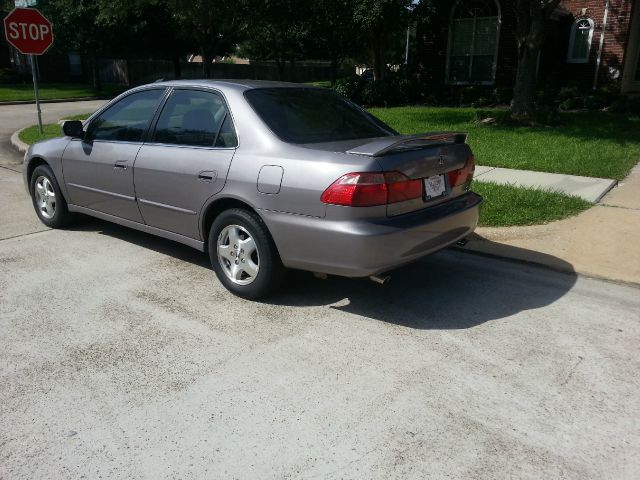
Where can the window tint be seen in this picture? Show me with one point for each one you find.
(227, 136)
(193, 118)
(128, 119)
(309, 115)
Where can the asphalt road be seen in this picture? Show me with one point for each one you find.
(121, 356)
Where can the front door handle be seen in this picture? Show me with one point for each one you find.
(121, 165)
(207, 176)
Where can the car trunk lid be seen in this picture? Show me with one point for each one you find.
(432, 157)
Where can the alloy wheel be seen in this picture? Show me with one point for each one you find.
(45, 197)
(238, 254)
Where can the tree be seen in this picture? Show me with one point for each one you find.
(335, 34)
(379, 19)
(214, 26)
(278, 30)
(122, 28)
(146, 29)
(533, 20)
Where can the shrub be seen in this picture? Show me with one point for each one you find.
(378, 93)
(633, 105)
(568, 93)
(503, 95)
(574, 103)
(481, 102)
(350, 87)
(619, 105)
(596, 102)
(9, 75)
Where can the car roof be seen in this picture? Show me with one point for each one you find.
(231, 84)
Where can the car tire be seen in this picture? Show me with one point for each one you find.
(47, 199)
(243, 254)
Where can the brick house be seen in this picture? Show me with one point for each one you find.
(472, 42)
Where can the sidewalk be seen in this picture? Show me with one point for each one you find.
(601, 242)
(587, 188)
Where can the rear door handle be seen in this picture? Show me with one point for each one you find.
(207, 176)
(121, 165)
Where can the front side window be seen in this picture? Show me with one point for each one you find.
(580, 41)
(195, 118)
(473, 41)
(126, 120)
(313, 115)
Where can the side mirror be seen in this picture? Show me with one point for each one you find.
(73, 129)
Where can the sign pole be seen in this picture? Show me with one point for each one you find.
(37, 92)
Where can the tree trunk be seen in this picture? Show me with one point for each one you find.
(533, 17)
(334, 71)
(292, 70)
(378, 63)
(95, 74)
(206, 65)
(177, 68)
(281, 65)
(524, 90)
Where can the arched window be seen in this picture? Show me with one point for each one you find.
(473, 42)
(580, 41)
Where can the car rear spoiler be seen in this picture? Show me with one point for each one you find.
(383, 146)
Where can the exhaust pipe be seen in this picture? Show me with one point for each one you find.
(462, 242)
(380, 280)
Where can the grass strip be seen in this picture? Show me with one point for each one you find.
(506, 205)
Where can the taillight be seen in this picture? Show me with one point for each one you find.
(401, 188)
(370, 189)
(463, 175)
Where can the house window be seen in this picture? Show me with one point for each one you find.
(473, 42)
(580, 41)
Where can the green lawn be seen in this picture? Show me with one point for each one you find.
(50, 130)
(505, 205)
(55, 91)
(593, 144)
(78, 116)
(31, 134)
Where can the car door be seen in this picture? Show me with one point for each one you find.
(186, 160)
(98, 170)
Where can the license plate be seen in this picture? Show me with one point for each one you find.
(435, 186)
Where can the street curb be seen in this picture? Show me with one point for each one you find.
(546, 266)
(17, 143)
(55, 100)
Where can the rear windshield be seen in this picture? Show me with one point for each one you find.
(313, 115)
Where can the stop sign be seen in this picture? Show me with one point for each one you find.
(28, 31)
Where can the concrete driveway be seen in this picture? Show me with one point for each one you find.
(122, 357)
(14, 117)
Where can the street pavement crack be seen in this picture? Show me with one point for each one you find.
(10, 169)
(618, 206)
(25, 234)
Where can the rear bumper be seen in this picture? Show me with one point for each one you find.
(358, 248)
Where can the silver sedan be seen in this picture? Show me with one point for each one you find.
(263, 176)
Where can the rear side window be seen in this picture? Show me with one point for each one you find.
(127, 119)
(195, 118)
(312, 115)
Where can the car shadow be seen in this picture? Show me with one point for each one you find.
(452, 289)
